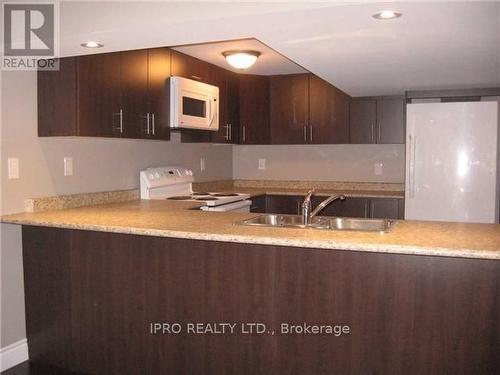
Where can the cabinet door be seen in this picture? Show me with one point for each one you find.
(100, 110)
(226, 132)
(57, 100)
(190, 67)
(134, 78)
(362, 117)
(158, 93)
(384, 208)
(290, 109)
(356, 207)
(390, 121)
(254, 109)
(327, 118)
(258, 204)
(342, 102)
(233, 106)
(283, 204)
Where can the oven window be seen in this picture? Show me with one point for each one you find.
(193, 107)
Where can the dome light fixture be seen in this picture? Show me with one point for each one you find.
(241, 59)
(387, 15)
(92, 44)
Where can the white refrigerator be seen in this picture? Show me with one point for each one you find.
(452, 162)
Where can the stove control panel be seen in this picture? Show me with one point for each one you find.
(165, 176)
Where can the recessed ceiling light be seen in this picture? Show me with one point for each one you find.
(241, 59)
(92, 44)
(387, 15)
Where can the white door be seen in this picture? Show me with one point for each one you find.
(451, 162)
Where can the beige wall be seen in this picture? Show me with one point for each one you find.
(320, 162)
(100, 164)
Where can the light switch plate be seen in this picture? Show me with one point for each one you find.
(13, 168)
(68, 166)
(262, 163)
(203, 164)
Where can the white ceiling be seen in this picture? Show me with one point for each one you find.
(434, 45)
(269, 62)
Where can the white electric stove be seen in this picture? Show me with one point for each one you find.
(176, 183)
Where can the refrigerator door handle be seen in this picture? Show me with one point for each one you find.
(413, 146)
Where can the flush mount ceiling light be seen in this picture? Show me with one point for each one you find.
(241, 59)
(92, 44)
(387, 15)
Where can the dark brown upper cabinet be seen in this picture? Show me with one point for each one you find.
(391, 120)
(134, 94)
(57, 110)
(158, 93)
(289, 99)
(190, 67)
(362, 117)
(254, 109)
(377, 120)
(228, 107)
(328, 113)
(121, 94)
(99, 96)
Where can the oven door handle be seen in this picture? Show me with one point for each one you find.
(228, 206)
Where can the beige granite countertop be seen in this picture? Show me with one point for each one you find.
(175, 219)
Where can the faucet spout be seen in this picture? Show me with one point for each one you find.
(325, 203)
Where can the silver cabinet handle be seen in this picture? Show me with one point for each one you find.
(147, 123)
(378, 133)
(373, 132)
(120, 126)
(366, 209)
(226, 136)
(244, 135)
(305, 134)
(230, 132)
(310, 133)
(152, 123)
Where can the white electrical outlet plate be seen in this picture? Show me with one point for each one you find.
(13, 168)
(378, 168)
(68, 166)
(203, 164)
(262, 163)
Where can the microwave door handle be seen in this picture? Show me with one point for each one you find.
(211, 112)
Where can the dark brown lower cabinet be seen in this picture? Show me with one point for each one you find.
(91, 298)
(379, 208)
(283, 204)
(258, 204)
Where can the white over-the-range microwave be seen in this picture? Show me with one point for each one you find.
(193, 104)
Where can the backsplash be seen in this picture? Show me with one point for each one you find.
(350, 163)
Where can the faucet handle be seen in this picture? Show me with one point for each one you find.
(310, 193)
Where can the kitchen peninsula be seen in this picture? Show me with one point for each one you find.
(423, 288)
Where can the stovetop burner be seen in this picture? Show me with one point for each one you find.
(179, 198)
(198, 193)
(206, 199)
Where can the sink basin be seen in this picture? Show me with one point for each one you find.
(365, 225)
(294, 221)
(320, 222)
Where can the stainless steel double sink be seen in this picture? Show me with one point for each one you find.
(321, 222)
